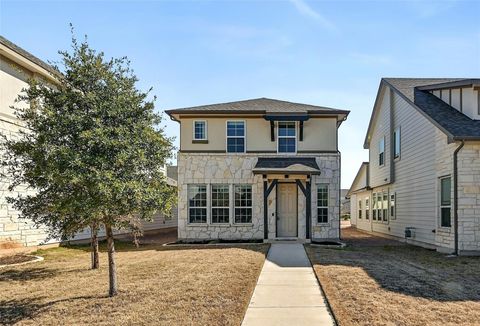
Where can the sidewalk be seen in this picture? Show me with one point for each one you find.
(287, 292)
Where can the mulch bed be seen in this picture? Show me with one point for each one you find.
(16, 259)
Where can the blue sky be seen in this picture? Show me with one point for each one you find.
(330, 53)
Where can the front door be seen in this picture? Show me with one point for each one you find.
(287, 210)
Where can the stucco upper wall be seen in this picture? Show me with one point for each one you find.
(13, 79)
(319, 134)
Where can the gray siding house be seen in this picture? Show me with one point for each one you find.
(258, 169)
(422, 181)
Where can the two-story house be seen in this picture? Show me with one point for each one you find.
(422, 181)
(258, 169)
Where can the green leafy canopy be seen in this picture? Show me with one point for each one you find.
(92, 148)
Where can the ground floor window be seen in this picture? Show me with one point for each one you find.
(385, 206)
(243, 203)
(360, 209)
(445, 202)
(322, 203)
(392, 206)
(197, 203)
(374, 204)
(367, 208)
(220, 203)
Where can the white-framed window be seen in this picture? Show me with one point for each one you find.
(243, 204)
(287, 137)
(374, 206)
(381, 151)
(393, 211)
(445, 202)
(197, 203)
(379, 206)
(220, 207)
(322, 203)
(360, 209)
(367, 208)
(236, 137)
(396, 143)
(199, 130)
(385, 206)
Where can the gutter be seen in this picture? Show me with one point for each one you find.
(455, 194)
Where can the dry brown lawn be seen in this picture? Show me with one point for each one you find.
(382, 282)
(158, 286)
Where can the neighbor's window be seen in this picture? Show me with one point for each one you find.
(381, 152)
(235, 136)
(287, 137)
(243, 203)
(220, 203)
(360, 209)
(199, 130)
(392, 206)
(396, 143)
(322, 203)
(385, 206)
(197, 203)
(374, 204)
(445, 202)
(367, 208)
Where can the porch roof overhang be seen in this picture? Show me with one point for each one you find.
(286, 165)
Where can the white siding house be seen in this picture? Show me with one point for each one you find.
(412, 194)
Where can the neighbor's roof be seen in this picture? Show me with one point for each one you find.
(27, 55)
(415, 91)
(258, 106)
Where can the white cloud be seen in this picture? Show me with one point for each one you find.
(308, 11)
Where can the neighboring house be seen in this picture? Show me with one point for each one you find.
(258, 169)
(16, 67)
(423, 179)
(160, 220)
(344, 203)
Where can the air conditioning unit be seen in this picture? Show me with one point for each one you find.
(409, 232)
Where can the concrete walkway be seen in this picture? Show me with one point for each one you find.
(287, 292)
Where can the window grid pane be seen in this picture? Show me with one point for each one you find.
(235, 136)
(322, 204)
(197, 203)
(220, 203)
(243, 203)
(200, 130)
(287, 137)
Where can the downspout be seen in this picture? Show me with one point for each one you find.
(455, 195)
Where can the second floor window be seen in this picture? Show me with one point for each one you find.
(199, 130)
(396, 143)
(287, 137)
(381, 152)
(235, 136)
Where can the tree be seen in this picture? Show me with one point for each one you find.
(93, 150)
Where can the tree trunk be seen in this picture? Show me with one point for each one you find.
(94, 242)
(112, 268)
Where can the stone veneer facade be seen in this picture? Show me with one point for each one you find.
(214, 168)
(13, 230)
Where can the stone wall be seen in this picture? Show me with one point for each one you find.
(216, 168)
(330, 167)
(469, 198)
(14, 231)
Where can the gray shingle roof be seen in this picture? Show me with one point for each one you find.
(12, 46)
(258, 105)
(454, 123)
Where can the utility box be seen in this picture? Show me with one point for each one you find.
(409, 232)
